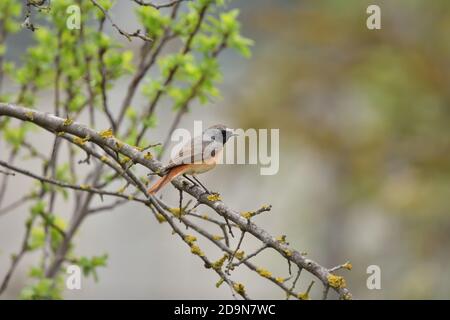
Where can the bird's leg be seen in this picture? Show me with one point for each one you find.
(181, 206)
(196, 179)
(151, 174)
(190, 180)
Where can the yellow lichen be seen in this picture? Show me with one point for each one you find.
(287, 252)
(266, 207)
(177, 212)
(336, 281)
(148, 156)
(219, 263)
(119, 145)
(67, 122)
(281, 239)
(124, 160)
(219, 283)
(303, 296)
(85, 186)
(214, 197)
(264, 273)
(240, 255)
(205, 217)
(78, 140)
(30, 115)
(247, 214)
(190, 239)
(239, 288)
(81, 141)
(60, 133)
(105, 134)
(130, 197)
(160, 218)
(347, 296)
(347, 266)
(197, 251)
(280, 279)
(104, 159)
(217, 237)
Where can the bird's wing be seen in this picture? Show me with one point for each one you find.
(194, 151)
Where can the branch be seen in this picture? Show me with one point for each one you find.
(57, 124)
(7, 173)
(15, 204)
(170, 77)
(62, 184)
(159, 6)
(136, 34)
(4, 183)
(144, 66)
(18, 257)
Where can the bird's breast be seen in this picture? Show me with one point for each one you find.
(197, 168)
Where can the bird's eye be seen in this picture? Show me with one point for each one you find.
(213, 137)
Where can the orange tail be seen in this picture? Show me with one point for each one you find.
(173, 173)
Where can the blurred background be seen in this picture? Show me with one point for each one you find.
(364, 157)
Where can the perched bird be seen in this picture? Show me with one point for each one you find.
(198, 155)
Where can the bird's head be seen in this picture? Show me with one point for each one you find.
(219, 132)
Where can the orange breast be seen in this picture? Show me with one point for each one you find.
(206, 165)
(197, 168)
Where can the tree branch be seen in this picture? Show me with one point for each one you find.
(136, 34)
(62, 184)
(159, 6)
(57, 125)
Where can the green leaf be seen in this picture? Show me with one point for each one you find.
(152, 20)
(241, 44)
(90, 265)
(150, 122)
(63, 173)
(37, 238)
(43, 289)
(229, 21)
(151, 88)
(15, 136)
(131, 114)
(36, 272)
(38, 208)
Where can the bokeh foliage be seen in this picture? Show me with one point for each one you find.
(79, 68)
(373, 107)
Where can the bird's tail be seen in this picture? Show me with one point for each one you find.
(172, 174)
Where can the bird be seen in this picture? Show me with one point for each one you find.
(199, 155)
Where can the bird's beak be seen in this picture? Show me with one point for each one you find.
(231, 132)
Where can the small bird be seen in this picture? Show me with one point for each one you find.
(198, 155)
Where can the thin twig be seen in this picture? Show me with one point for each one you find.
(68, 185)
(18, 257)
(111, 206)
(136, 34)
(159, 6)
(325, 292)
(294, 283)
(248, 257)
(15, 204)
(7, 173)
(230, 263)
